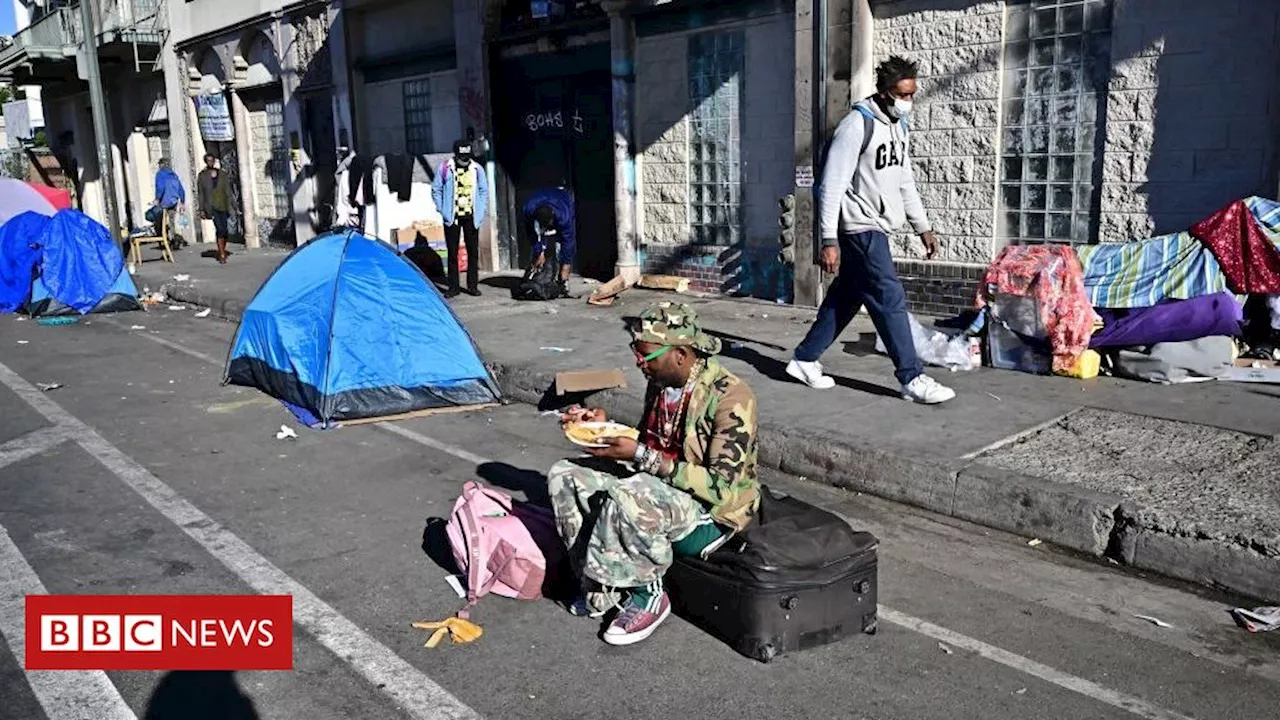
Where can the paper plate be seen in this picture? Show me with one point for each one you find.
(601, 425)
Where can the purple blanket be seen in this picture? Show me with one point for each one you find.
(1173, 321)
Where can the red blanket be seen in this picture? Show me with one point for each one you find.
(1248, 259)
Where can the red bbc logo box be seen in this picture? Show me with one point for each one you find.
(159, 632)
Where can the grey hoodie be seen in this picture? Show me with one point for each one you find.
(872, 191)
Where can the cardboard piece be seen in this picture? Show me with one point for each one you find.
(605, 293)
(589, 380)
(1243, 370)
(664, 282)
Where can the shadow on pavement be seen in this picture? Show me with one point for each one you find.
(509, 477)
(199, 695)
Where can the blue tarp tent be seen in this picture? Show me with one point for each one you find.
(70, 265)
(346, 329)
(19, 253)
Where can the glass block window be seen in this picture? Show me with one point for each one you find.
(715, 128)
(278, 166)
(417, 116)
(1057, 62)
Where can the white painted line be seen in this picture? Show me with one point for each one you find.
(78, 694)
(415, 693)
(1128, 703)
(421, 439)
(1088, 688)
(170, 344)
(33, 443)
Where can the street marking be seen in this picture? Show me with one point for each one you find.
(169, 344)
(1090, 689)
(33, 443)
(415, 693)
(432, 443)
(1087, 688)
(62, 693)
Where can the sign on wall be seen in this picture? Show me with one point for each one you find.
(214, 118)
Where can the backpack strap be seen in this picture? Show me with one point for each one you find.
(868, 127)
(471, 526)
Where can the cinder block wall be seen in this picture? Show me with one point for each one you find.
(1193, 112)
(766, 148)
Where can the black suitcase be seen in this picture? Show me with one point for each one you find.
(799, 577)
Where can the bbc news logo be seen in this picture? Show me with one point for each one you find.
(159, 632)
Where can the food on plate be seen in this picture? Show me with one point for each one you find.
(595, 433)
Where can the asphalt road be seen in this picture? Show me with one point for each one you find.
(142, 475)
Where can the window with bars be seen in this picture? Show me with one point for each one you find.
(1057, 61)
(417, 116)
(715, 128)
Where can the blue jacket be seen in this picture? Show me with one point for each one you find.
(169, 189)
(442, 189)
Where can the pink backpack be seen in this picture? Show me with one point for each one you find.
(505, 547)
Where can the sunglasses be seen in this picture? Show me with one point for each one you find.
(651, 356)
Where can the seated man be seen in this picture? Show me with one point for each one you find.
(694, 482)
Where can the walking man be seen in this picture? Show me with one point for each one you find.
(868, 190)
(461, 194)
(170, 196)
(215, 202)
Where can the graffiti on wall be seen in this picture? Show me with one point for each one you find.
(471, 97)
(556, 120)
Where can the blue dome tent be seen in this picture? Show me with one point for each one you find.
(347, 329)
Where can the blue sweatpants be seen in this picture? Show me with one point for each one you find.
(866, 278)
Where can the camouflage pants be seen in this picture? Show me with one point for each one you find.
(619, 529)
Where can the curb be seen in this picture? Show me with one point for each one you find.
(1069, 516)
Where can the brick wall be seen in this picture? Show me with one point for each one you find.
(767, 137)
(937, 289)
(1192, 112)
(954, 125)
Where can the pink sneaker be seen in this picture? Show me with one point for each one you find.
(635, 623)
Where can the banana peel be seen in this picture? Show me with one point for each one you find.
(460, 631)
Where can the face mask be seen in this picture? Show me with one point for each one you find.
(902, 107)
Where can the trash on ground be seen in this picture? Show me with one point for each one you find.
(177, 307)
(946, 649)
(59, 320)
(589, 380)
(456, 584)
(182, 277)
(1020, 691)
(938, 348)
(1259, 619)
(20, 318)
(286, 432)
(1154, 621)
(204, 313)
(664, 282)
(552, 310)
(1035, 542)
(46, 387)
(459, 630)
(995, 397)
(137, 327)
(606, 293)
(553, 348)
(23, 342)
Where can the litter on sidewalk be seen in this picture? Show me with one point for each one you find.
(1259, 619)
(46, 387)
(1154, 621)
(664, 282)
(286, 432)
(553, 348)
(204, 313)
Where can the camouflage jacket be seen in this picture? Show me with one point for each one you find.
(720, 445)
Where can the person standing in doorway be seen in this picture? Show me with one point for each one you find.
(867, 191)
(215, 202)
(461, 194)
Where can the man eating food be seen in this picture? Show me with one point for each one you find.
(683, 488)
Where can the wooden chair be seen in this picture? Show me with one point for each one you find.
(136, 241)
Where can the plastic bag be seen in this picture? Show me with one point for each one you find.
(938, 348)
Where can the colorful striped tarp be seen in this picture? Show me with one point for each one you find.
(1177, 266)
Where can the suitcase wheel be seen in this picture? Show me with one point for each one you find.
(789, 602)
(766, 653)
(862, 588)
(871, 627)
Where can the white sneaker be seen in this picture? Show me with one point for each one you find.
(926, 391)
(810, 373)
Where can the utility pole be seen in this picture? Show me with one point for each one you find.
(101, 122)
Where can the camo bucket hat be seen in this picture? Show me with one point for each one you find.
(671, 323)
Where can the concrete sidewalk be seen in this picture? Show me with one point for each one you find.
(1181, 480)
